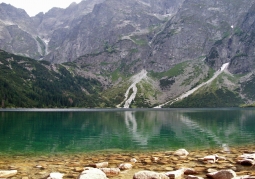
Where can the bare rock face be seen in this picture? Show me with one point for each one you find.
(162, 33)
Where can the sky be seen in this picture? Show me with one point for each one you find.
(33, 7)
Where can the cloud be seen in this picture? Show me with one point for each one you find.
(33, 7)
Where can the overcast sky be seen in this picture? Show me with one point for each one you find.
(33, 7)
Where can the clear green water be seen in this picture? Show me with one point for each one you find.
(66, 131)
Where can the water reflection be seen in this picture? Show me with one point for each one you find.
(126, 130)
(147, 128)
(189, 128)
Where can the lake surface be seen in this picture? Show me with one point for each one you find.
(52, 131)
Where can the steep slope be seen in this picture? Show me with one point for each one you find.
(17, 32)
(237, 45)
(29, 83)
(192, 32)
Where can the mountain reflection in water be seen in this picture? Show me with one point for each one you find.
(96, 130)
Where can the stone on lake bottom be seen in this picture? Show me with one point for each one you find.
(7, 173)
(211, 170)
(246, 162)
(125, 166)
(175, 174)
(193, 177)
(56, 175)
(92, 173)
(111, 171)
(181, 152)
(100, 165)
(189, 171)
(222, 174)
(245, 177)
(211, 158)
(247, 156)
(133, 160)
(149, 175)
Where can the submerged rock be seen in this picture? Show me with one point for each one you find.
(149, 175)
(125, 166)
(189, 171)
(100, 165)
(246, 162)
(222, 174)
(211, 158)
(92, 173)
(111, 171)
(247, 159)
(181, 153)
(193, 177)
(7, 173)
(56, 175)
(133, 160)
(175, 174)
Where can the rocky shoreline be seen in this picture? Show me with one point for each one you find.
(237, 163)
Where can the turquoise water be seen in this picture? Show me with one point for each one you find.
(80, 130)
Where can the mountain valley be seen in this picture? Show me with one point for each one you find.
(87, 54)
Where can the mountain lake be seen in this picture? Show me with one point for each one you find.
(53, 131)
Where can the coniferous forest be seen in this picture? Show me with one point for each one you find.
(25, 83)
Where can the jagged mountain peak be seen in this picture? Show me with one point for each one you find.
(9, 12)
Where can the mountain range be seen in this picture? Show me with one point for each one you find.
(179, 43)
